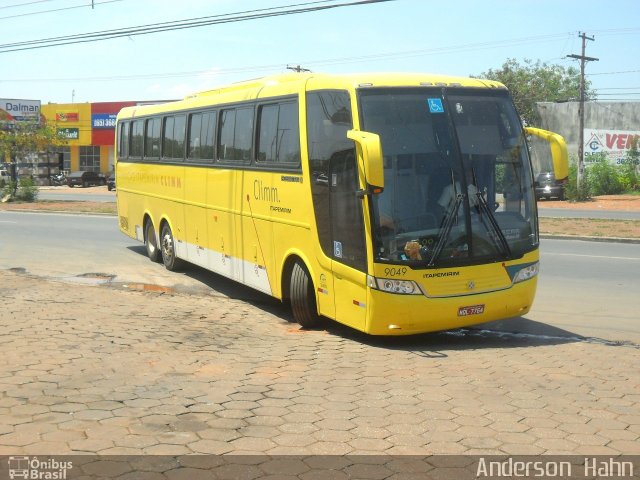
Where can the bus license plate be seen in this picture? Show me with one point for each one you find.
(470, 310)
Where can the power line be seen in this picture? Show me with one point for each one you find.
(25, 4)
(617, 88)
(180, 24)
(612, 73)
(618, 93)
(59, 9)
(325, 62)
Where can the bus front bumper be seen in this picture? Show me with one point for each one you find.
(391, 314)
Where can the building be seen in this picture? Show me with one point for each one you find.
(609, 127)
(90, 131)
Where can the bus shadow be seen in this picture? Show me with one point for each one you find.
(215, 284)
(513, 333)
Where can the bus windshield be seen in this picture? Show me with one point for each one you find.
(458, 184)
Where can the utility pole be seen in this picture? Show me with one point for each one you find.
(297, 68)
(583, 59)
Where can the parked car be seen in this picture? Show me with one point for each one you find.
(85, 179)
(548, 187)
(111, 182)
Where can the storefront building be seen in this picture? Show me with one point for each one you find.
(90, 131)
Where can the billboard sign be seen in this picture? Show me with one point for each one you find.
(69, 133)
(67, 116)
(103, 120)
(614, 143)
(15, 110)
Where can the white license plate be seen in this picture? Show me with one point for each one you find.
(470, 310)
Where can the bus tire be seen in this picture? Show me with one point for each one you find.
(168, 249)
(303, 298)
(151, 241)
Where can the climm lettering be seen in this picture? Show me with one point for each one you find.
(264, 192)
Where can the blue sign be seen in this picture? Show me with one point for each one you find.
(435, 105)
(103, 120)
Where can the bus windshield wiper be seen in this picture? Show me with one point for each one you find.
(498, 236)
(452, 213)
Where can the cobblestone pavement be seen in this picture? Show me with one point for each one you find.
(88, 369)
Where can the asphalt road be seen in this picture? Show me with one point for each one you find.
(100, 194)
(585, 288)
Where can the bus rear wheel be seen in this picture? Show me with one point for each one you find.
(168, 249)
(150, 241)
(303, 298)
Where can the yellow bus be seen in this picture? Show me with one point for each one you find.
(393, 203)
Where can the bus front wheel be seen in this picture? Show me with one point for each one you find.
(150, 241)
(303, 298)
(168, 249)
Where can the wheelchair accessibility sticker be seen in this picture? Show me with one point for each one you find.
(435, 105)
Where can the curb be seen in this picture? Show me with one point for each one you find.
(62, 212)
(590, 239)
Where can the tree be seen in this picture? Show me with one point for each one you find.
(531, 82)
(19, 140)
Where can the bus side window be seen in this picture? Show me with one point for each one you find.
(152, 139)
(235, 136)
(173, 137)
(195, 132)
(338, 209)
(207, 136)
(278, 134)
(137, 138)
(124, 140)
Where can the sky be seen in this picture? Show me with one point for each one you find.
(454, 37)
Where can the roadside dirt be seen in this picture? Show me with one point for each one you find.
(61, 206)
(629, 203)
(591, 227)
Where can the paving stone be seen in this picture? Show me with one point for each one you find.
(185, 374)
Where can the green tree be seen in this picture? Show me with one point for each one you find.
(531, 82)
(572, 192)
(629, 171)
(23, 139)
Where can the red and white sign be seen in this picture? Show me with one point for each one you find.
(614, 143)
(67, 116)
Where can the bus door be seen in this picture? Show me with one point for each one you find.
(349, 258)
(223, 197)
(259, 195)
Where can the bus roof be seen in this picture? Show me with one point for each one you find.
(293, 83)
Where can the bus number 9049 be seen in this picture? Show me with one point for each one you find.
(395, 272)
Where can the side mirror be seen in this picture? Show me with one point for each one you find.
(559, 153)
(369, 149)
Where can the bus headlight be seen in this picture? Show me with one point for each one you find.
(401, 287)
(527, 272)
